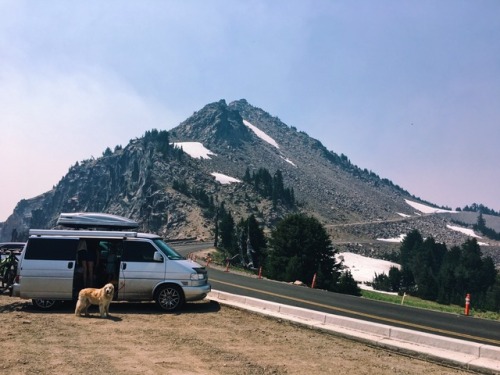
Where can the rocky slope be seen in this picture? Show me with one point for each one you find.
(138, 182)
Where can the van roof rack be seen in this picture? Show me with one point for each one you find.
(81, 233)
(86, 220)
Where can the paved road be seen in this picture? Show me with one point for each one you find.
(451, 325)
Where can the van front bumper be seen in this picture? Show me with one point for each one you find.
(196, 293)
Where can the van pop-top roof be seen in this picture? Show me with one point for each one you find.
(83, 220)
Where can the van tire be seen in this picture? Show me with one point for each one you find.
(169, 297)
(43, 304)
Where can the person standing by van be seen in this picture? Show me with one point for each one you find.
(82, 257)
(111, 264)
(88, 253)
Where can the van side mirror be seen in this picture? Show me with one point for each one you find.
(158, 257)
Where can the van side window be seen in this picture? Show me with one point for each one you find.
(138, 251)
(51, 249)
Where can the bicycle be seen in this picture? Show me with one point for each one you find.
(8, 271)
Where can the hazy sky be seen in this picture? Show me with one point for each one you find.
(407, 89)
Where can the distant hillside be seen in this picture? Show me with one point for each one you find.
(159, 181)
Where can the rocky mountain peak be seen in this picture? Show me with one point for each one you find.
(216, 123)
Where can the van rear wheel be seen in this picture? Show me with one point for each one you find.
(43, 304)
(169, 297)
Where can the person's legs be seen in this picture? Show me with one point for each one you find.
(84, 265)
(90, 276)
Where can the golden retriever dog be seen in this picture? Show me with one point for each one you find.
(93, 296)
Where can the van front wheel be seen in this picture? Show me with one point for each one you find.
(43, 304)
(169, 297)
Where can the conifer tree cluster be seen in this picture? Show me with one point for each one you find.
(161, 139)
(432, 272)
(271, 187)
(243, 243)
(482, 209)
(481, 227)
(299, 249)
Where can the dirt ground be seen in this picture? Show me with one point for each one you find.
(202, 338)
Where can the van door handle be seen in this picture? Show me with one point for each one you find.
(124, 266)
(70, 265)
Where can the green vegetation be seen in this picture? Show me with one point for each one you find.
(474, 207)
(299, 249)
(388, 283)
(432, 272)
(161, 140)
(481, 227)
(271, 187)
(429, 305)
(244, 243)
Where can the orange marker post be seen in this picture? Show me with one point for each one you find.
(313, 282)
(467, 304)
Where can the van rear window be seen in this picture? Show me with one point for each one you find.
(51, 249)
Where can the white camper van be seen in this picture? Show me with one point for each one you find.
(141, 266)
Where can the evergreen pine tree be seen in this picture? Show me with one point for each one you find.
(347, 284)
(447, 276)
(227, 233)
(408, 251)
(301, 247)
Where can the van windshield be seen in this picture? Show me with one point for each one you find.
(167, 250)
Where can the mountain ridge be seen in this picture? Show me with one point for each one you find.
(137, 181)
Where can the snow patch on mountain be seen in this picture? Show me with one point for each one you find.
(426, 209)
(403, 215)
(195, 149)
(224, 179)
(400, 238)
(363, 269)
(259, 133)
(288, 161)
(466, 231)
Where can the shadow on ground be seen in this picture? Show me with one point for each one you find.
(68, 307)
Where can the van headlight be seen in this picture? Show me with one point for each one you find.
(197, 276)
